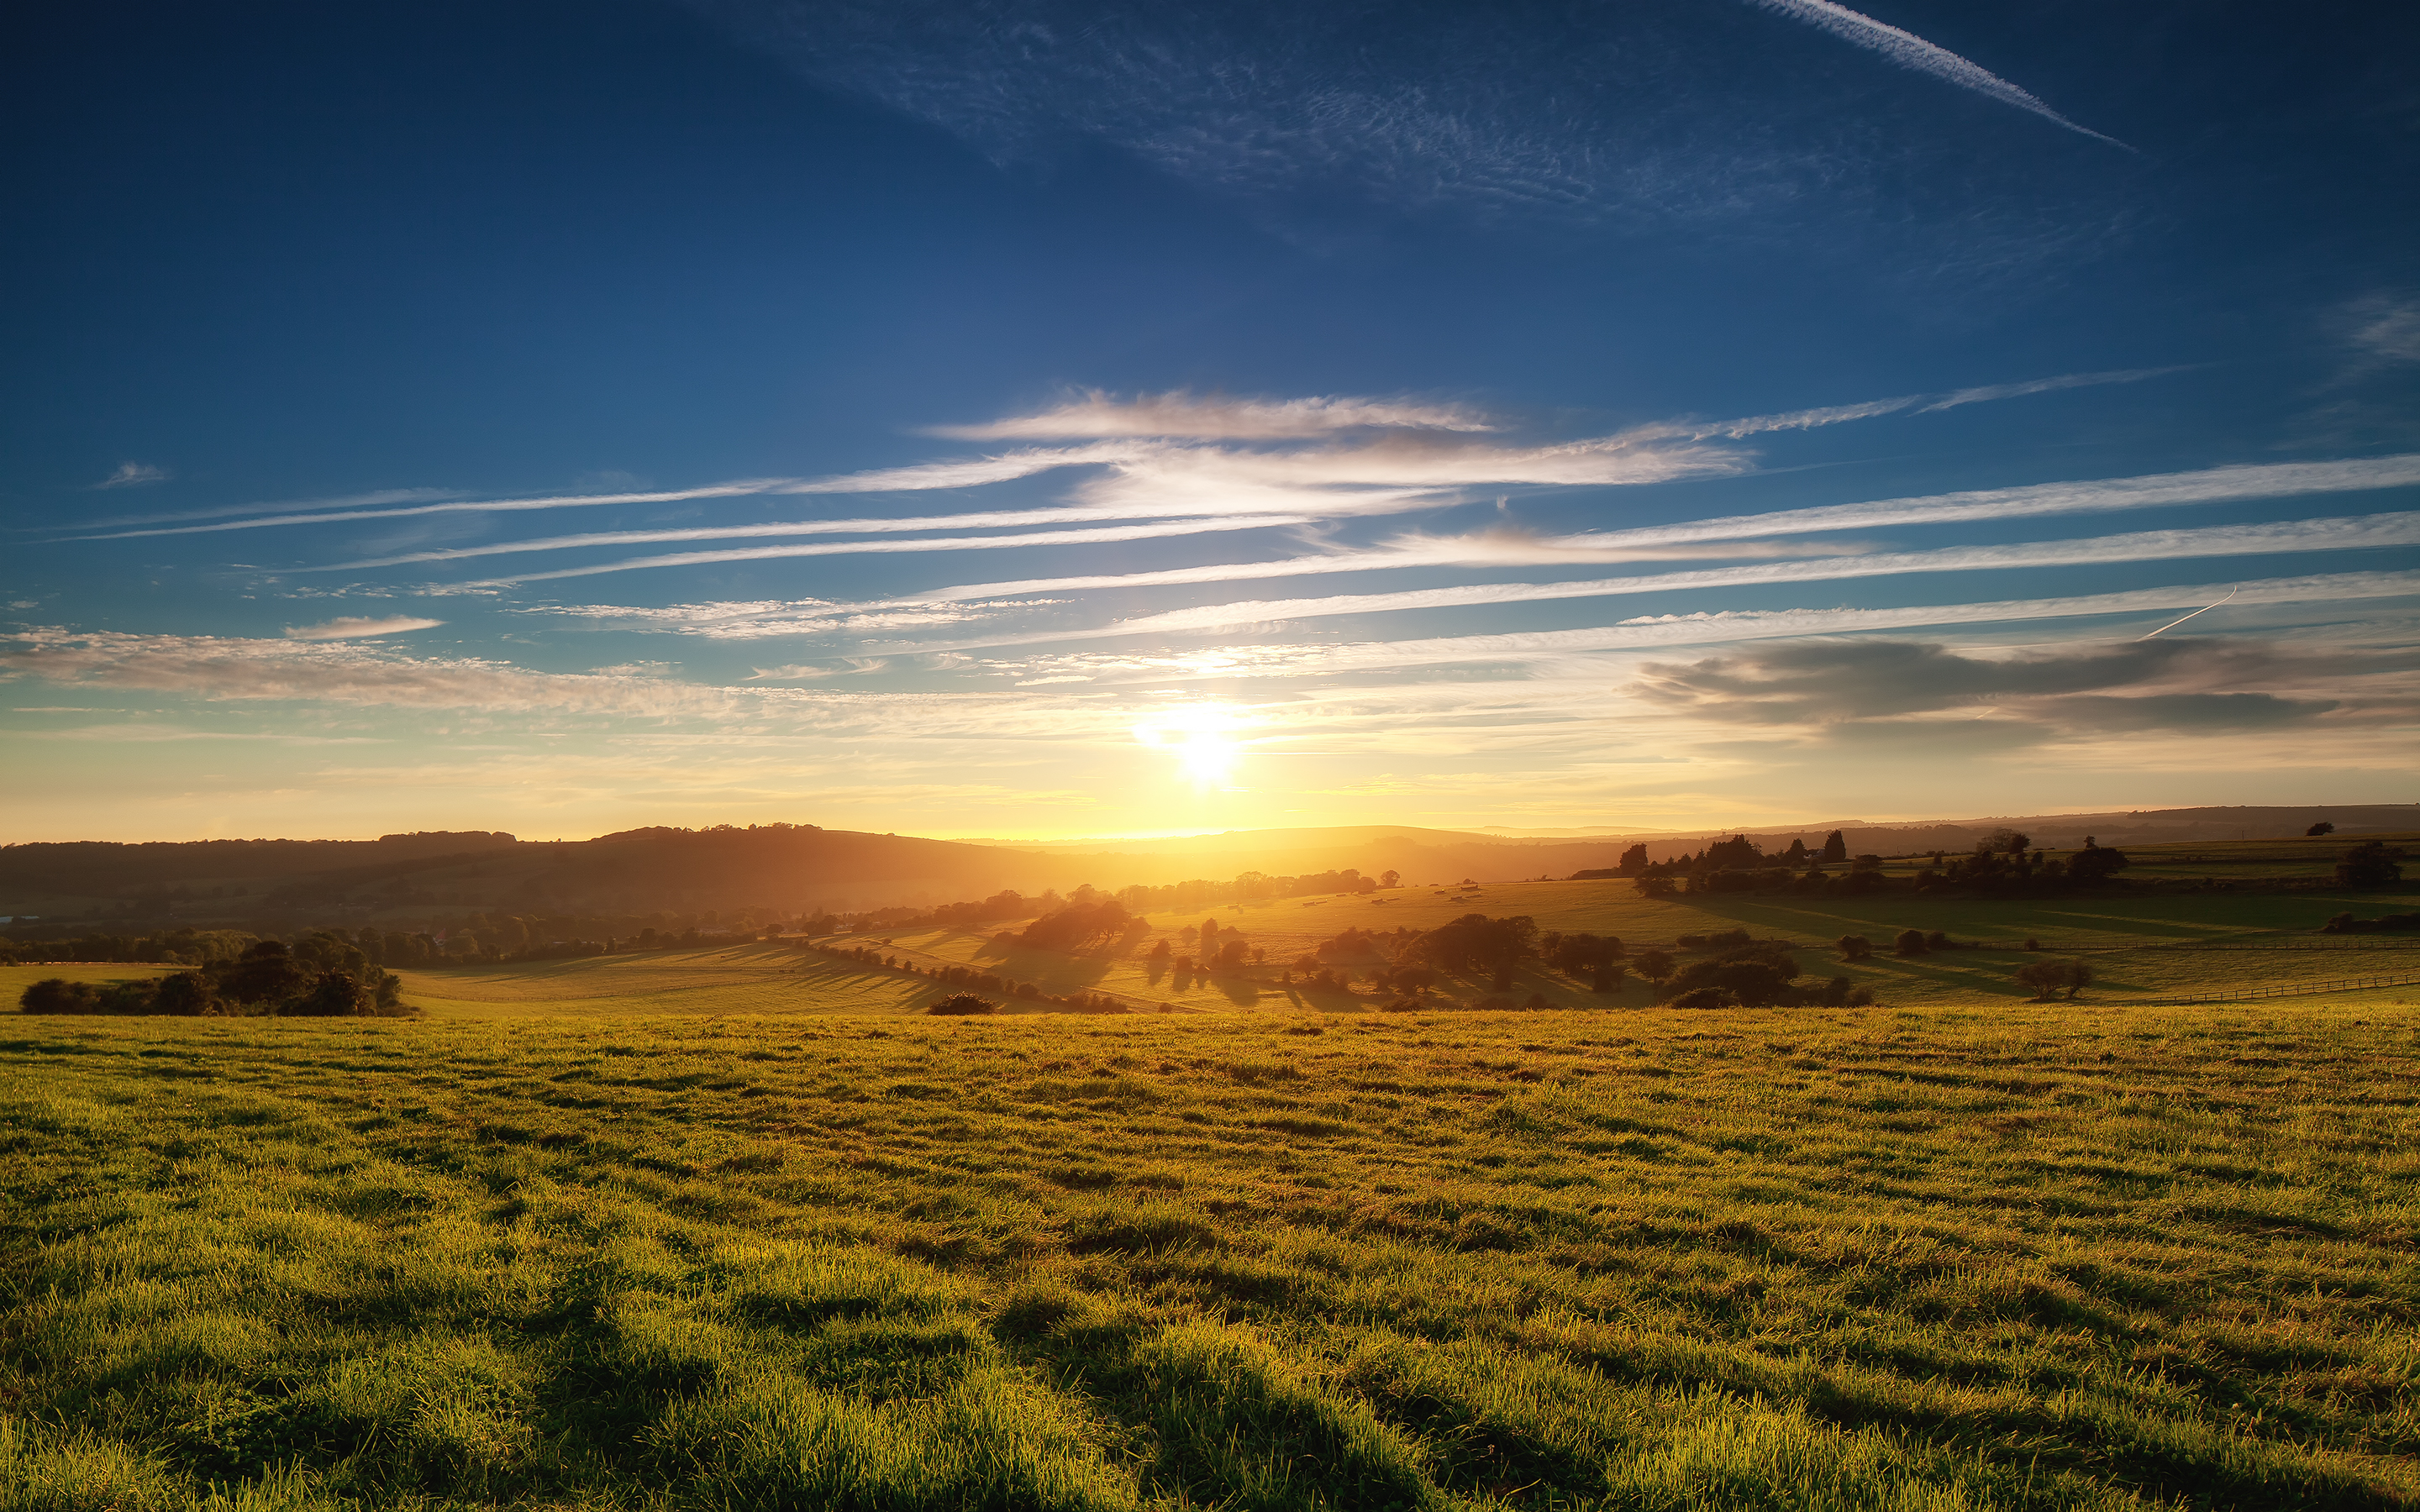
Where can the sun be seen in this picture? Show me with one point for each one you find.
(1203, 740)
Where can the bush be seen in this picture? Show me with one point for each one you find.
(1703, 998)
(958, 1004)
(2367, 865)
(1854, 947)
(1910, 942)
(2048, 977)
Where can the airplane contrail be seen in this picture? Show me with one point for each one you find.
(1910, 51)
(2204, 610)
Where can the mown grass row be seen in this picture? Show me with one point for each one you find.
(1831, 1259)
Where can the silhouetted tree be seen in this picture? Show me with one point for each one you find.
(1634, 860)
(1854, 947)
(2323, 827)
(1655, 966)
(2049, 977)
(1836, 847)
(2367, 865)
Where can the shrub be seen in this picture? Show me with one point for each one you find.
(1854, 947)
(1910, 942)
(2367, 865)
(2048, 977)
(963, 1003)
(1730, 939)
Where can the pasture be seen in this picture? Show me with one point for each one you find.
(2147, 945)
(2021, 1258)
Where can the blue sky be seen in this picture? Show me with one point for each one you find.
(1031, 418)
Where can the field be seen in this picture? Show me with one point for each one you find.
(2035, 1257)
(2140, 945)
(742, 1227)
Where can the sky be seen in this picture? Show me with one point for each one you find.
(1038, 420)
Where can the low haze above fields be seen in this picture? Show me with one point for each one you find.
(1038, 420)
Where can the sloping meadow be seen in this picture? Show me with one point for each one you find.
(2058, 1258)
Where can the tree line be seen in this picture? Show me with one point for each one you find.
(320, 980)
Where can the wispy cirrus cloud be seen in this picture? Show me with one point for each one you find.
(1910, 51)
(1290, 659)
(921, 544)
(2278, 479)
(2349, 534)
(1098, 414)
(338, 672)
(134, 475)
(359, 629)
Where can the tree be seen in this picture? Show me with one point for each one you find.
(334, 995)
(2367, 865)
(2323, 827)
(2095, 862)
(1854, 947)
(2004, 841)
(1737, 853)
(2048, 977)
(1634, 860)
(1209, 932)
(1391, 879)
(1796, 854)
(1910, 942)
(1655, 966)
(1836, 847)
(1656, 886)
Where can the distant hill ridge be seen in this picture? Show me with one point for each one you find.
(798, 866)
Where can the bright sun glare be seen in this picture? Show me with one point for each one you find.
(1202, 737)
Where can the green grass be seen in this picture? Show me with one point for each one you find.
(2074, 1257)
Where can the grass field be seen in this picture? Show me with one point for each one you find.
(2032, 1257)
(2141, 946)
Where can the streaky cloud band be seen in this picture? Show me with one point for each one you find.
(2347, 533)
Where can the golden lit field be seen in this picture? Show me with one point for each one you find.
(2139, 946)
(2035, 1257)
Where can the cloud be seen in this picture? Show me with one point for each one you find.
(2350, 534)
(921, 544)
(338, 516)
(2186, 685)
(2385, 329)
(1529, 647)
(2049, 385)
(134, 475)
(1096, 414)
(359, 629)
(231, 668)
(1910, 51)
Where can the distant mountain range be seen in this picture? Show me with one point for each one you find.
(801, 867)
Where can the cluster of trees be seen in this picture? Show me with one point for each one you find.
(1249, 887)
(1097, 921)
(2000, 863)
(2050, 978)
(2369, 864)
(1759, 974)
(326, 981)
(1475, 943)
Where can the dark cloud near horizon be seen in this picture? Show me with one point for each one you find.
(2181, 684)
